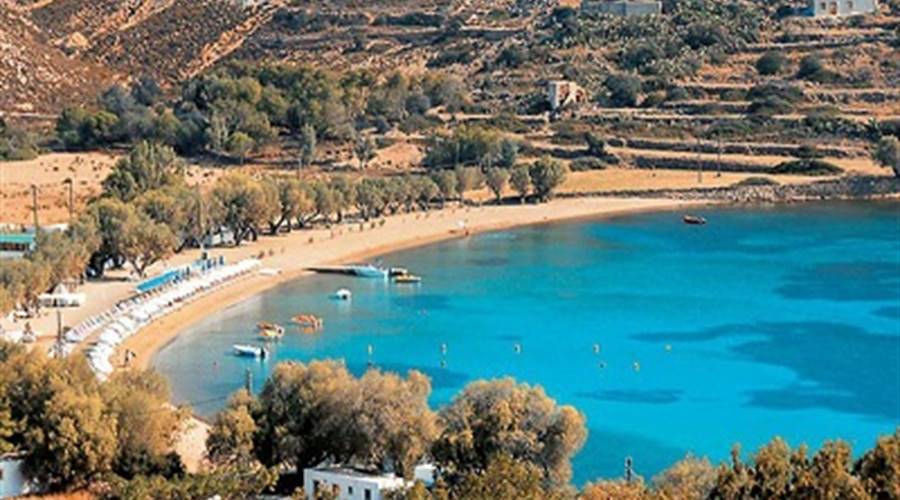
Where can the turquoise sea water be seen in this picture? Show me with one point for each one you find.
(781, 321)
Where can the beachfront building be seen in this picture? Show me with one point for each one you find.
(348, 483)
(564, 93)
(838, 8)
(16, 245)
(12, 480)
(621, 8)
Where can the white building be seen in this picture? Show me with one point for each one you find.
(347, 483)
(836, 8)
(12, 481)
(622, 8)
(563, 93)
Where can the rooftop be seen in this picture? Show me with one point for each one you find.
(17, 238)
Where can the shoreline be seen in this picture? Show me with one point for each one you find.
(345, 245)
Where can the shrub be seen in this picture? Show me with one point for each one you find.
(756, 181)
(771, 63)
(807, 167)
(806, 152)
(813, 69)
(677, 94)
(623, 90)
(639, 56)
(788, 93)
(770, 106)
(16, 144)
(512, 57)
(585, 164)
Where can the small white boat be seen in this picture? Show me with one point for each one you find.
(369, 271)
(342, 294)
(249, 350)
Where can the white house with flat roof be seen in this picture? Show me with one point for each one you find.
(348, 483)
(839, 8)
(622, 8)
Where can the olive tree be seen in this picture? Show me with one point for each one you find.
(546, 175)
(887, 154)
(489, 418)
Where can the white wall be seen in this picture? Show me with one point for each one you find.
(12, 482)
(351, 486)
(825, 8)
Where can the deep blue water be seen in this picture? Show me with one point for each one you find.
(781, 321)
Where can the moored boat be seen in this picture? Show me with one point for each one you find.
(695, 220)
(398, 271)
(407, 279)
(270, 331)
(342, 294)
(308, 321)
(249, 351)
(369, 271)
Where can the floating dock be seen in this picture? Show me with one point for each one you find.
(345, 270)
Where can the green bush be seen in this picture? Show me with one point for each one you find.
(623, 90)
(771, 63)
(813, 69)
(756, 181)
(807, 166)
(16, 144)
(585, 164)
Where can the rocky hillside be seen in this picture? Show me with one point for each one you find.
(64, 50)
(172, 40)
(35, 76)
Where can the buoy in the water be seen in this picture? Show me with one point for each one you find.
(596, 348)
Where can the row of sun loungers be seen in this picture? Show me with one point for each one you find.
(129, 316)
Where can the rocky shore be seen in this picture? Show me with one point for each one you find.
(764, 191)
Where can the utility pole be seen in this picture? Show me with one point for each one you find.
(699, 161)
(719, 152)
(34, 206)
(71, 183)
(202, 222)
(59, 334)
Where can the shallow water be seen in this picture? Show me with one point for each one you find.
(781, 321)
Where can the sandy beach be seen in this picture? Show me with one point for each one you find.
(293, 254)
